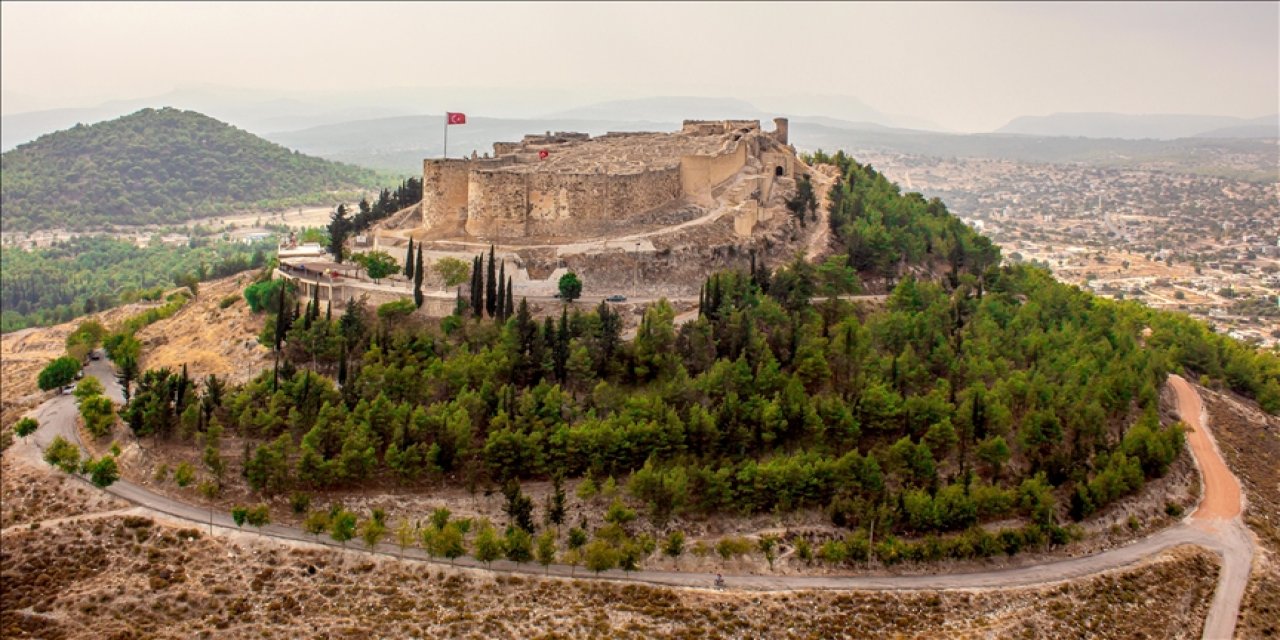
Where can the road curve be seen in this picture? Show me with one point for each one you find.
(1214, 525)
(1218, 514)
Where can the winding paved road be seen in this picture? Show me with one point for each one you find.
(1215, 524)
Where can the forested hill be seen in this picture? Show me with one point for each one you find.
(159, 166)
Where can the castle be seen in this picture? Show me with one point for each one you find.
(570, 184)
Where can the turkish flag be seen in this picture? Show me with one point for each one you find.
(456, 118)
(542, 155)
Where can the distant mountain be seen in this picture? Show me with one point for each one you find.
(399, 144)
(1268, 127)
(246, 110)
(1127, 126)
(844, 109)
(159, 166)
(669, 109)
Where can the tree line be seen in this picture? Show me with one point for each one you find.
(86, 274)
(978, 392)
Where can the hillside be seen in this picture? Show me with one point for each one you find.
(159, 166)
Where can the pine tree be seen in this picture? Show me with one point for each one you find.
(339, 226)
(491, 287)
(408, 261)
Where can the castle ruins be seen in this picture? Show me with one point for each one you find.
(567, 185)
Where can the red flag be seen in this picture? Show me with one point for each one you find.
(542, 155)
(456, 118)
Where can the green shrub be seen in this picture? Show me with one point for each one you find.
(184, 475)
(58, 373)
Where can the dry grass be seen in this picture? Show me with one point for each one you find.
(24, 353)
(208, 338)
(128, 577)
(1250, 442)
(119, 576)
(30, 494)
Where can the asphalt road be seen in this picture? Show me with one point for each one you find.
(1215, 525)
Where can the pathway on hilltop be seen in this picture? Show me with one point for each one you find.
(1215, 524)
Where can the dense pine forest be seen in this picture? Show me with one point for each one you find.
(157, 167)
(978, 392)
(92, 273)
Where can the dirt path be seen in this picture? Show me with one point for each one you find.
(1218, 514)
(820, 239)
(1215, 525)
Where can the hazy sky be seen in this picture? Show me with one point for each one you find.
(968, 67)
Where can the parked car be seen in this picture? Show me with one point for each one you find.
(95, 355)
(617, 297)
(68, 390)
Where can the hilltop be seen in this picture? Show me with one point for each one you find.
(159, 166)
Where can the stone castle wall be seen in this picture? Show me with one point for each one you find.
(444, 193)
(595, 185)
(553, 204)
(700, 174)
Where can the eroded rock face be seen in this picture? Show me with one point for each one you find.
(568, 185)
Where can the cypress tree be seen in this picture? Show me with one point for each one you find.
(502, 292)
(328, 310)
(511, 303)
(408, 260)
(717, 296)
(491, 287)
(282, 319)
(561, 348)
(477, 286)
(342, 366)
(417, 279)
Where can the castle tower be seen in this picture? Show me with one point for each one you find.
(780, 130)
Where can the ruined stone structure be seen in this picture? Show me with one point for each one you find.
(569, 184)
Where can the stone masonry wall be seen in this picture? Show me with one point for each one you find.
(554, 204)
(444, 193)
(699, 174)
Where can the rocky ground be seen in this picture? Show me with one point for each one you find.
(127, 576)
(1250, 442)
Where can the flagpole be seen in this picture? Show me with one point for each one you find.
(446, 135)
